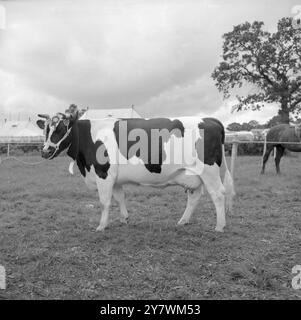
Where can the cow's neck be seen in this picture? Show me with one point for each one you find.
(81, 144)
(73, 142)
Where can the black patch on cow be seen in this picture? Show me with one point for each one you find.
(175, 127)
(214, 138)
(47, 133)
(83, 150)
(58, 134)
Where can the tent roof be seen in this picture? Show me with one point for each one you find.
(94, 114)
(20, 131)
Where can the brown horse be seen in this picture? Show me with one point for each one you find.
(280, 133)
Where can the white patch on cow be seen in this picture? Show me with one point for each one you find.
(48, 142)
(216, 189)
(135, 161)
(102, 129)
(119, 196)
(71, 167)
(105, 192)
(107, 136)
(191, 161)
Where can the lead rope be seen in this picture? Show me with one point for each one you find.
(19, 160)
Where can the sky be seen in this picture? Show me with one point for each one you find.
(155, 55)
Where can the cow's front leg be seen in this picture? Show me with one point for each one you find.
(104, 217)
(105, 190)
(118, 194)
(192, 202)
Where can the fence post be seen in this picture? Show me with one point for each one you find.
(8, 146)
(233, 156)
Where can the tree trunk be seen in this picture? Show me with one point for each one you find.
(284, 111)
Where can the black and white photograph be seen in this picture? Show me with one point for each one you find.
(150, 151)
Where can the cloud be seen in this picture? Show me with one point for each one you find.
(187, 100)
(157, 55)
(114, 55)
(24, 101)
(223, 112)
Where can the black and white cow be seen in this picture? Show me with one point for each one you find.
(186, 151)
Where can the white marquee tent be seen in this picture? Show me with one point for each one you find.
(29, 132)
(94, 114)
(20, 132)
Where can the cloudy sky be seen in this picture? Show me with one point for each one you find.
(157, 55)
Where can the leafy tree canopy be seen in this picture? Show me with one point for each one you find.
(246, 126)
(271, 62)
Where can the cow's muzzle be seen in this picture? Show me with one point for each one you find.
(48, 153)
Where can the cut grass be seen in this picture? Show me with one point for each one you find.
(50, 249)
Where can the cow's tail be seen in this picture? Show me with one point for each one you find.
(228, 184)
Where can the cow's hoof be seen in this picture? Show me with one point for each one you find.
(100, 228)
(124, 220)
(219, 229)
(182, 222)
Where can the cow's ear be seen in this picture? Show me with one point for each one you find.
(74, 117)
(81, 112)
(41, 124)
(72, 113)
(72, 109)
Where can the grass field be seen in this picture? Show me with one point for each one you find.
(50, 249)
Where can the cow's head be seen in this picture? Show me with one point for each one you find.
(57, 131)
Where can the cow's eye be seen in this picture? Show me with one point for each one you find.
(55, 120)
(66, 122)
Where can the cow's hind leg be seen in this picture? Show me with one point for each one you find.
(216, 189)
(266, 157)
(279, 154)
(118, 194)
(192, 202)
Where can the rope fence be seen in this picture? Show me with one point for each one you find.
(16, 144)
(21, 144)
(262, 142)
(235, 142)
(21, 161)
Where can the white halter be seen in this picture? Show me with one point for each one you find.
(56, 146)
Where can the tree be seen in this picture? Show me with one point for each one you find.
(254, 124)
(246, 126)
(274, 121)
(234, 126)
(270, 62)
